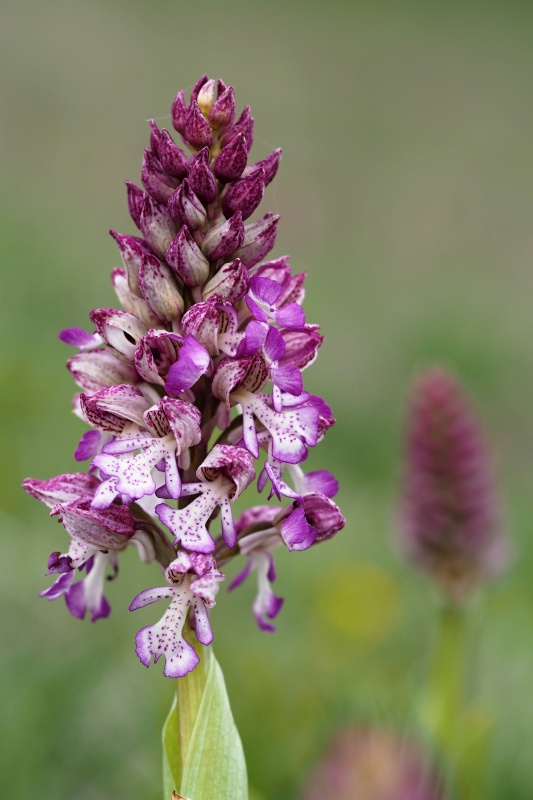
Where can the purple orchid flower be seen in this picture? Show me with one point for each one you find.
(172, 386)
(193, 580)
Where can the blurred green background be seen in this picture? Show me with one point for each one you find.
(405, 190)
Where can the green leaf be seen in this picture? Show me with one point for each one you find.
(202, 751)
(171, 751)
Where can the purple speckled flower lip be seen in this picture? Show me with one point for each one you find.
(192, 390)
(450, 524)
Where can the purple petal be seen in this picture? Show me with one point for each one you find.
(288, 379)
(274, 345)
(89, 445)
(193, 361)
(59, 587)
(240, 577)
(255, 335)
(148, 596)
(291, 316)
(62, 488)
(323, 482)
(265, 289)
(296, 531)
(256, 310)
(197, 130)
(77, 337)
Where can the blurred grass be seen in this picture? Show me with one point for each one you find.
(405, 191)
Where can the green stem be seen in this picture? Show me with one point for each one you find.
(445, 695)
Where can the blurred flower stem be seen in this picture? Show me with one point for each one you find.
(461, 734)
(444, 699)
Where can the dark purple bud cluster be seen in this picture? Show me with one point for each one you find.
(450, 518)
(175, 388)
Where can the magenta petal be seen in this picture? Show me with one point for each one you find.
(88, 446)
(291, 316)
(60, 586)
(296, 531)
(256, 333)
(289, 379)
(240, 577)
(274, 344)
(77, 337)
(322, 481)
(265, 289)
(256, 310)
(193, 361)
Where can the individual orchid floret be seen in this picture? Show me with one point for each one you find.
(451, 524)
(187, 260)
(157, 226)
(214, 324)
(121, 332)
(291, 430)
(170, 428)
(230, 282)
(62, 488)
(193, 581)
(95, 539)
(259, 239)
(306, 521)
(264, 303)
(100, 369)
(226, 472)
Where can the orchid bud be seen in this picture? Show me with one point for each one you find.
(173, 160)
(187, 260)
(232, 159)
(224, 239)
(223, 111)
(155, 136)
(195, 91)
(130, 301)
(269, 164)
(160, 290)
(179, 112)
(244, 195)
(158, 183)
(206, 97)
(98, 369)
(157, 226)
(132, 249)
(185, 207)
(245, 125)
(201, 179)
(197, 130)
(231, 281)
(135, 202)
(259, 239)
